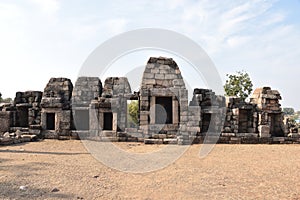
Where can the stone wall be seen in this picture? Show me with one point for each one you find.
(28, 108)
(57, 94)
(5, 121)
(85, 90)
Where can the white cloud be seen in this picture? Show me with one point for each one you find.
(47, 7)
(273, 18)
(9, 11)
(238, 41)
(116, 26)
(48, 37)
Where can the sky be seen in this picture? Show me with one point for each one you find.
(40, 39)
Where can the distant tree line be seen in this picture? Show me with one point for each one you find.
(6, 100)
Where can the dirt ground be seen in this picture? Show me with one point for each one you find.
(52, 169)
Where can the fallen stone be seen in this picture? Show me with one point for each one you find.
(23, 187)
(28, 138)
(228, 134)
(55, 190)
(18, 133)
(6, 135)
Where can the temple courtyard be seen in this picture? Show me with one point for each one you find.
(54, 169)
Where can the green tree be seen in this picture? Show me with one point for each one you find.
(133, 109)
(238, 84)
(288, 111)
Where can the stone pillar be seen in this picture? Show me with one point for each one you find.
(175, 111)
(115, 122)
(152, 110)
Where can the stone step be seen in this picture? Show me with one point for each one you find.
(23, 129)
(136, 135)
(170, 141)
(131, 130)
(34, 132)
(153, 141)
(28, 138)
(109, 139)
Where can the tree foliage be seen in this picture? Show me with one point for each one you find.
(238, 84)
(288, 111)
(133, 109)
(6, 100)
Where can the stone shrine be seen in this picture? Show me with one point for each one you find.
(90, 110)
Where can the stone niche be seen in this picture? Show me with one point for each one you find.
(109, 112)
(212, 110)
(163, 98)
(85, 90)
(241, 117)
(28, 108)
(270, 115)
(56, 116)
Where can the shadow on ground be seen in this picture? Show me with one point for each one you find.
(11, 190)
(39, 152)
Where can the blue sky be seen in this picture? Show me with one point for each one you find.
(40, 39)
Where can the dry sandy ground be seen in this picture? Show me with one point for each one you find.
(229, 172)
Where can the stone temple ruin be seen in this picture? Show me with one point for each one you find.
(90, 110)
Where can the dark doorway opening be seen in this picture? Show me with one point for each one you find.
(23, 117)
(275, 128)
(108, 121)
(206, 118)
(82, 119)
(244, 119)
(160, 116)
(50, 121)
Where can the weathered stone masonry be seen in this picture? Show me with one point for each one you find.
(56, 116)
(96, 111)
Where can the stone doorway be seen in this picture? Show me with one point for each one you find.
(82, 120)
(50, 121)
(160, 116)
(275, 126)
(23, 116)
(206, 118)
(108, 121)
(244, 120)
